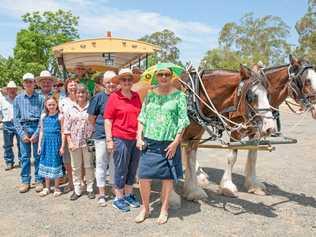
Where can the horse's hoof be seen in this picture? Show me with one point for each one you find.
(228, 189)
(195, 194)
(257, 188)
(257, 191)
(228, 193)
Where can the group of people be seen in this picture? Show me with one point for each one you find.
(86, 135)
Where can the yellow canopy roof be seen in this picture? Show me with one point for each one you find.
(97, 53)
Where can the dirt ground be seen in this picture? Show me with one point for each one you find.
(289, 210)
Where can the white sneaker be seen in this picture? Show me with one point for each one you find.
(101, 201)
(45, 192)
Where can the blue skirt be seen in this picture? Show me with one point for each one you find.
(153, 163)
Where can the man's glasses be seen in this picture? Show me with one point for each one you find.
(164, 74)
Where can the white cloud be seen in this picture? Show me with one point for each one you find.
(95, 19)
(19, 7)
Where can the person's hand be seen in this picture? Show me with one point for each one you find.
(171, 149)
(61, 150)
(33, 139)
(110, 146)
(26, 139)
(71, 146)
(39, 150)
(140, 144)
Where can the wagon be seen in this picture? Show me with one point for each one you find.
(102, 54)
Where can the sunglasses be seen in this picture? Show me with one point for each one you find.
(59, 85)
(164, 74)
(126, 79)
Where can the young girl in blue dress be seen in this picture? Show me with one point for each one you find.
(51, 146)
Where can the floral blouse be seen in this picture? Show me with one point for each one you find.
(164, 116)
(77, 126)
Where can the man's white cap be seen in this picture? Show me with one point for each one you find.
(11, 84)
(28, 76)
(108, 75)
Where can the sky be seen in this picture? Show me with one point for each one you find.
(196, 22)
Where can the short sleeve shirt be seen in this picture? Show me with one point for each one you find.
(164, 116)
(123, 112)
(96, 108)
(77, 126)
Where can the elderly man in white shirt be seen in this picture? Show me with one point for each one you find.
(9, 131)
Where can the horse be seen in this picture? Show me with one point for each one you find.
(297, 80)
(224, 89)
(222, 86)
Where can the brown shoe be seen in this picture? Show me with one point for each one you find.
(24, 188)
(39, 187)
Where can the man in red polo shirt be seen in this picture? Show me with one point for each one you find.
(120, 114)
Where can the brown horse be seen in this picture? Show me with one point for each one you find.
(225, 89)
(300, 84)
(222, 87)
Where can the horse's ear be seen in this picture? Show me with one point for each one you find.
(293, 60)
(244, 72)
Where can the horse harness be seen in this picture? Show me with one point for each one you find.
(242, 106)
(297, 84)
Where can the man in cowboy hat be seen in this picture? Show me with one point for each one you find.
(27, 109)
(9, 131)
(83, 77)
(46, 82)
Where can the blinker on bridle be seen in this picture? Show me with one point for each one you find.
(297, 84)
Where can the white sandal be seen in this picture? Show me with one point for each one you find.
(44, 192)
(57, 193)
(163, 218)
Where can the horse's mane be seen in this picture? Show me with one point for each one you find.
(219, 71)
(275, 68)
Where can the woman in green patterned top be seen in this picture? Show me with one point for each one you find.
(161, 123)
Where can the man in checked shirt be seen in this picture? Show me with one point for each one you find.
(27, 109)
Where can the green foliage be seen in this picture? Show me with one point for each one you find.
(167, 41)
(306, 28)
(13, 69)
(255, 39)
(219, 58)
(32, 52)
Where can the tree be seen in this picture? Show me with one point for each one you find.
(306, 29)
(220, 58)
(45, 30)
(167, 41)
(263, 38)
(32, 52)
(13, 69)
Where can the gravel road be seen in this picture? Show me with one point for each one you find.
(289, 210)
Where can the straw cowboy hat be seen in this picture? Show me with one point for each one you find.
(45, 75)
(11, 84)
(125, 72)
